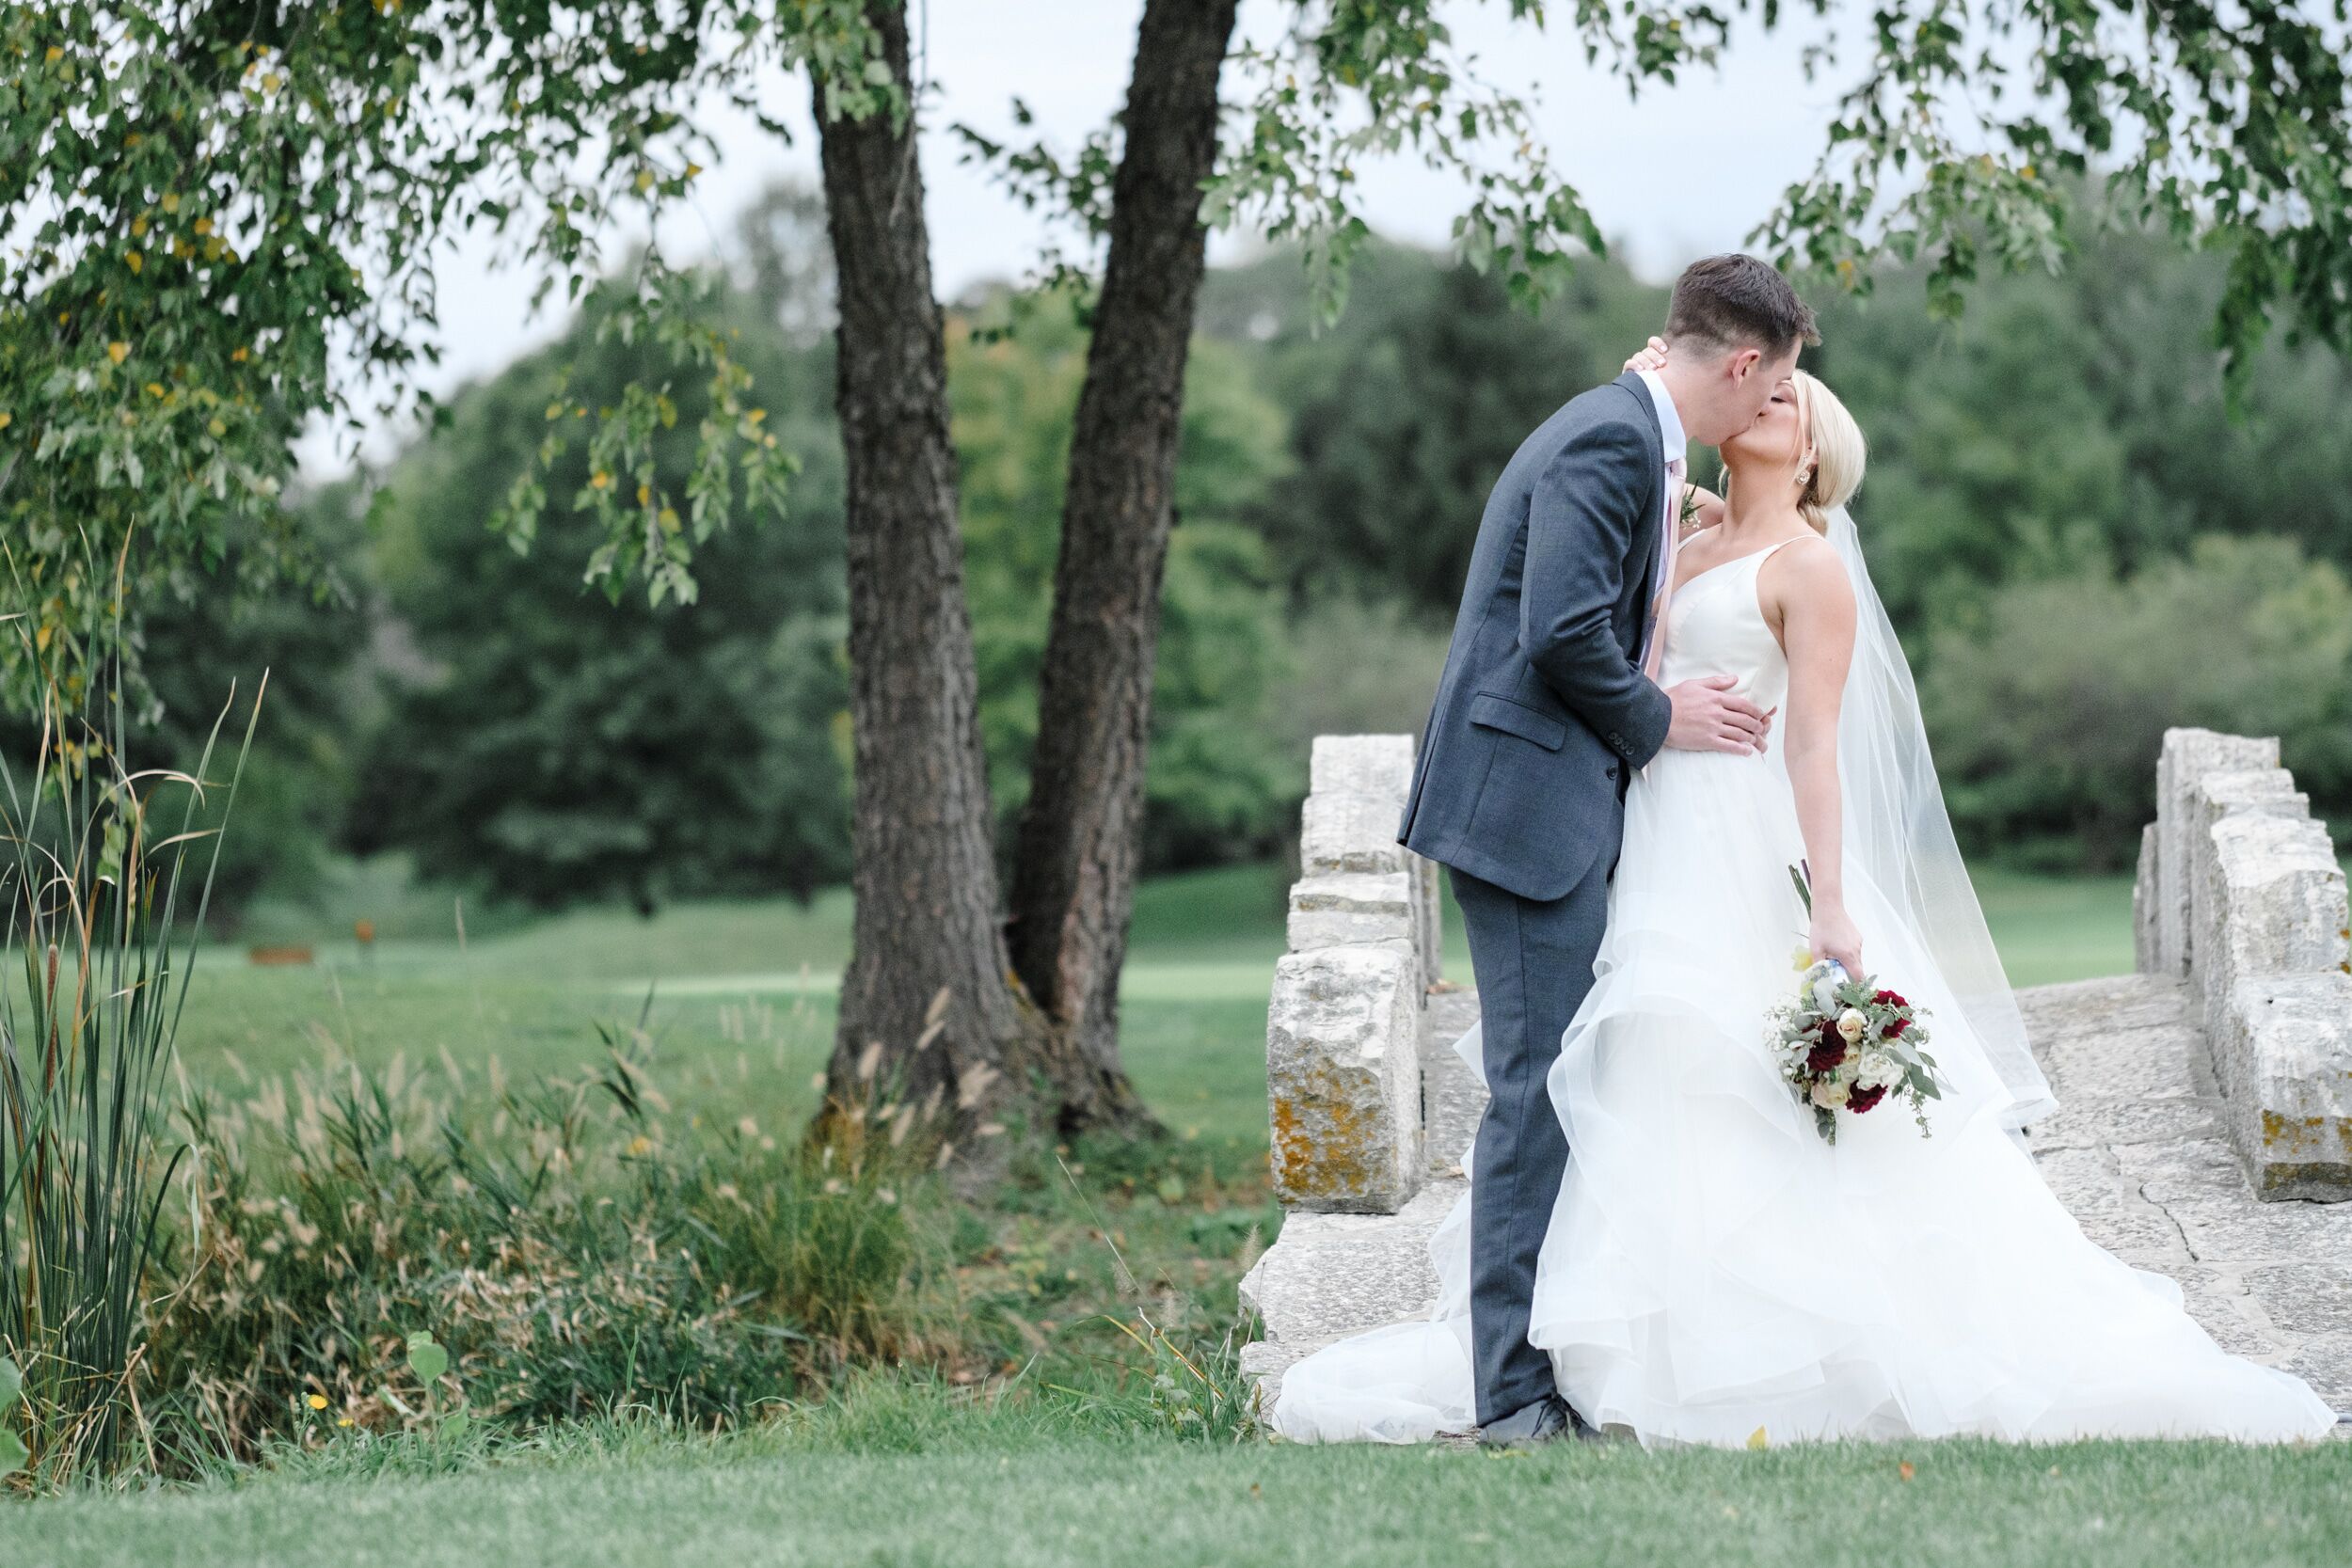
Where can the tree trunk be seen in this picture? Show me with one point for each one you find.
(929, 1017)
(1081, 832)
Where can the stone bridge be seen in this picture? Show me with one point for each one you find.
(2204, 1128)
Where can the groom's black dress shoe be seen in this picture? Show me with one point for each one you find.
(1547, 1419)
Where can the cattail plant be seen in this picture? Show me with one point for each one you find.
(92, 891)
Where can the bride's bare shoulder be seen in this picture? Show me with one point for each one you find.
(1805, 574)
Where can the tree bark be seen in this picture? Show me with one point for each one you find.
(930, 1015)
(1081, 832)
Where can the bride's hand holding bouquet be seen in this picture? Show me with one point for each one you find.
(1844, 1042)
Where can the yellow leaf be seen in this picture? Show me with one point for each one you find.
(645, 180)
(7, 419)
(54, 55)
(667, 518)
(645, 494)
(217, 428)
(203, 227)
(139, 226)
(171, 202)
(136, 262)
(237, 357)
(692, 169)
(154, 388)
(1755, 1438)
(599, 479)
(118, 352)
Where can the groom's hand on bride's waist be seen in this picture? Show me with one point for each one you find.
(1709, 717)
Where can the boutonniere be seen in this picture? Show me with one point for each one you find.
(1688, 518)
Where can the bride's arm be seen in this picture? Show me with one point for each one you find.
(1817, 625)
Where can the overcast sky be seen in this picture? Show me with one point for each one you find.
(1681, 172)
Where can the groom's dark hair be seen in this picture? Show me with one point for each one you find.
(1728, 302)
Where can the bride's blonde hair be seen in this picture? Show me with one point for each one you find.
(1839, 452)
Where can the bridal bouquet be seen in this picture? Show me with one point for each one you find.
(1848, 1044)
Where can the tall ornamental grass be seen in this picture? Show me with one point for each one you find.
(102, 956)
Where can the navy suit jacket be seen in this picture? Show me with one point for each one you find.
(1542, 710)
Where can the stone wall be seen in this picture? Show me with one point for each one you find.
(2239, 894)
(1347, 1019)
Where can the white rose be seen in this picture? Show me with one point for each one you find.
(1878, 1071)
(1831, 1094)
(1850, 1023)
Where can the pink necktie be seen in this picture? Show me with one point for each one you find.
(1666, 588)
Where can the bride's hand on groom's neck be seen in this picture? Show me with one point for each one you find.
(1649, 358)
(1709, 717)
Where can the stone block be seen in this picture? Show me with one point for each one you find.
(1378, 765)
(1347, 830)
(1452, 1097)
(2214, 799)
(2275, 899)
(1344, 907)
(1329, 1275)
(2284, 1052)
(1428, 916)
(2187, 756)
(1343, 1077)
(2147, 944)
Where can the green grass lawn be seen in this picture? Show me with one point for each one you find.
(1005, 1499)
(906, 1470)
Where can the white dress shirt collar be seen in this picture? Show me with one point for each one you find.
(1669, 422)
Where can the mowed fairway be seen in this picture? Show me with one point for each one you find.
(742, 991)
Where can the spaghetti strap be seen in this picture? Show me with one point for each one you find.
(1770, 550)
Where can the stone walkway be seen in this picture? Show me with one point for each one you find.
(2136, 1152)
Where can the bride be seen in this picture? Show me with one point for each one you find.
(1712, 1270)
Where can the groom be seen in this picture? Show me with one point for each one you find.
(1541, 716)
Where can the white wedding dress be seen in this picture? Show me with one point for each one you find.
(1713, 1269)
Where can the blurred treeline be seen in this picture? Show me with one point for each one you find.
(2079, 544)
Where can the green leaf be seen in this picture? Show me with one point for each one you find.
(427, 1359)
(12, 1452)
(12, 1384)
(453, 1426)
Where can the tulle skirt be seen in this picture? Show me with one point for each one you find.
(1713, 1269)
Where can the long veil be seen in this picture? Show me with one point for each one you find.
(1899, 832)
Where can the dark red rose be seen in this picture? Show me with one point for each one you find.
(1895, 1030)
(1891, 998)
(1825, 1056)
(1861, 1100)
